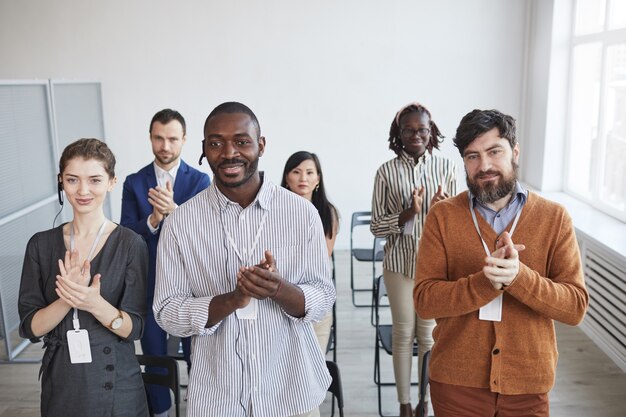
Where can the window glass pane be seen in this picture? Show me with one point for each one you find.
(583, 120)
(617, 15)
(589, 16)
(613, 191)
(26, 161)
(15, 235)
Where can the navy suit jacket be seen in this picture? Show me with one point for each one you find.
(136, 208)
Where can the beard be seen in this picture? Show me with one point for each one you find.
(250, 170)
(167, 160)
(492, 192)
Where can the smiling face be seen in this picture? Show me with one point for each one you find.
(303, 179)
(86, 184)
(491, 168)
(415, 133)
(233, 148)
(167, 143)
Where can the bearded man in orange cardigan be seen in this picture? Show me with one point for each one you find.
(496, 266)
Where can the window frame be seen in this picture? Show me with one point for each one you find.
(606, 38)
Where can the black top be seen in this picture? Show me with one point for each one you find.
(111, 384)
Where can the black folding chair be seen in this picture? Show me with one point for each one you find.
(335, 387)
(361, 254)
(384, 343)
(332, 340)
(170, 379)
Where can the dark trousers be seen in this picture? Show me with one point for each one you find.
(154, 342)
(458, 401)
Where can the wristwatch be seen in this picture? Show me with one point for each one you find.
(116, 323)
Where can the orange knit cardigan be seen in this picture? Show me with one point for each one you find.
(517, 355)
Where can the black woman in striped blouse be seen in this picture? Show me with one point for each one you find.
(404, 190)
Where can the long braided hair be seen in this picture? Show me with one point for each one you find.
(395, 142)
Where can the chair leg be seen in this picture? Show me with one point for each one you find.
(423, 385)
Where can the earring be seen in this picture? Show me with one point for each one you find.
(317, 187)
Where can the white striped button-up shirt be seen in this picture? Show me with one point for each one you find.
(270, 366)
(393, 189)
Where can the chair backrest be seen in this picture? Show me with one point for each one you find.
(380, 292)
(335, 386)
(170, 380)
(359, 218)
(379, 248)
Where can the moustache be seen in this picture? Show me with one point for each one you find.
(486, 174)
(231, 162)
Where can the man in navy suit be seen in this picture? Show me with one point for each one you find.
(149, 196)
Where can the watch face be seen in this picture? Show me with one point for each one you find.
(117, 323)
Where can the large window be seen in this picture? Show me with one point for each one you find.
(596, 155)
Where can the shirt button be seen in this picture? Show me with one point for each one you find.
(495, 382)
(496, 351)
(108, 386)
(110, 368)
(106, 350)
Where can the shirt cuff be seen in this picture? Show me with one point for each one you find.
(152, 229)
(199, 311)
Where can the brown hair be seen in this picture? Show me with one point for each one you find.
(89, 149)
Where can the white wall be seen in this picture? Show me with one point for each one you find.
(322, 76)
(546, 100)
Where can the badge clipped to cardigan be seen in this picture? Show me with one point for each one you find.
(492, 311)
(78, 339)
(250, 311)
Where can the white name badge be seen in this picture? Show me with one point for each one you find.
(492, 311)
(408, 226)
(78, 343)
(248, 312)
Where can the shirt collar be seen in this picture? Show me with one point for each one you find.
(262, 199)
(518, 192)
(160, 172)
(406, 157)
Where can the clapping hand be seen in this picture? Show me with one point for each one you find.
(439, 195)
(260, 281)
(73, 283)
(503, 265)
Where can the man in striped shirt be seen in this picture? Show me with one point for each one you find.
(243, 269)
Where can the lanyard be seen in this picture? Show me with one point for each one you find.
(91, 251)
(245, 258)
(517, 216)
(248, 312)
(492, 311)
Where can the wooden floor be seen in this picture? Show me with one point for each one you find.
(588, 382)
